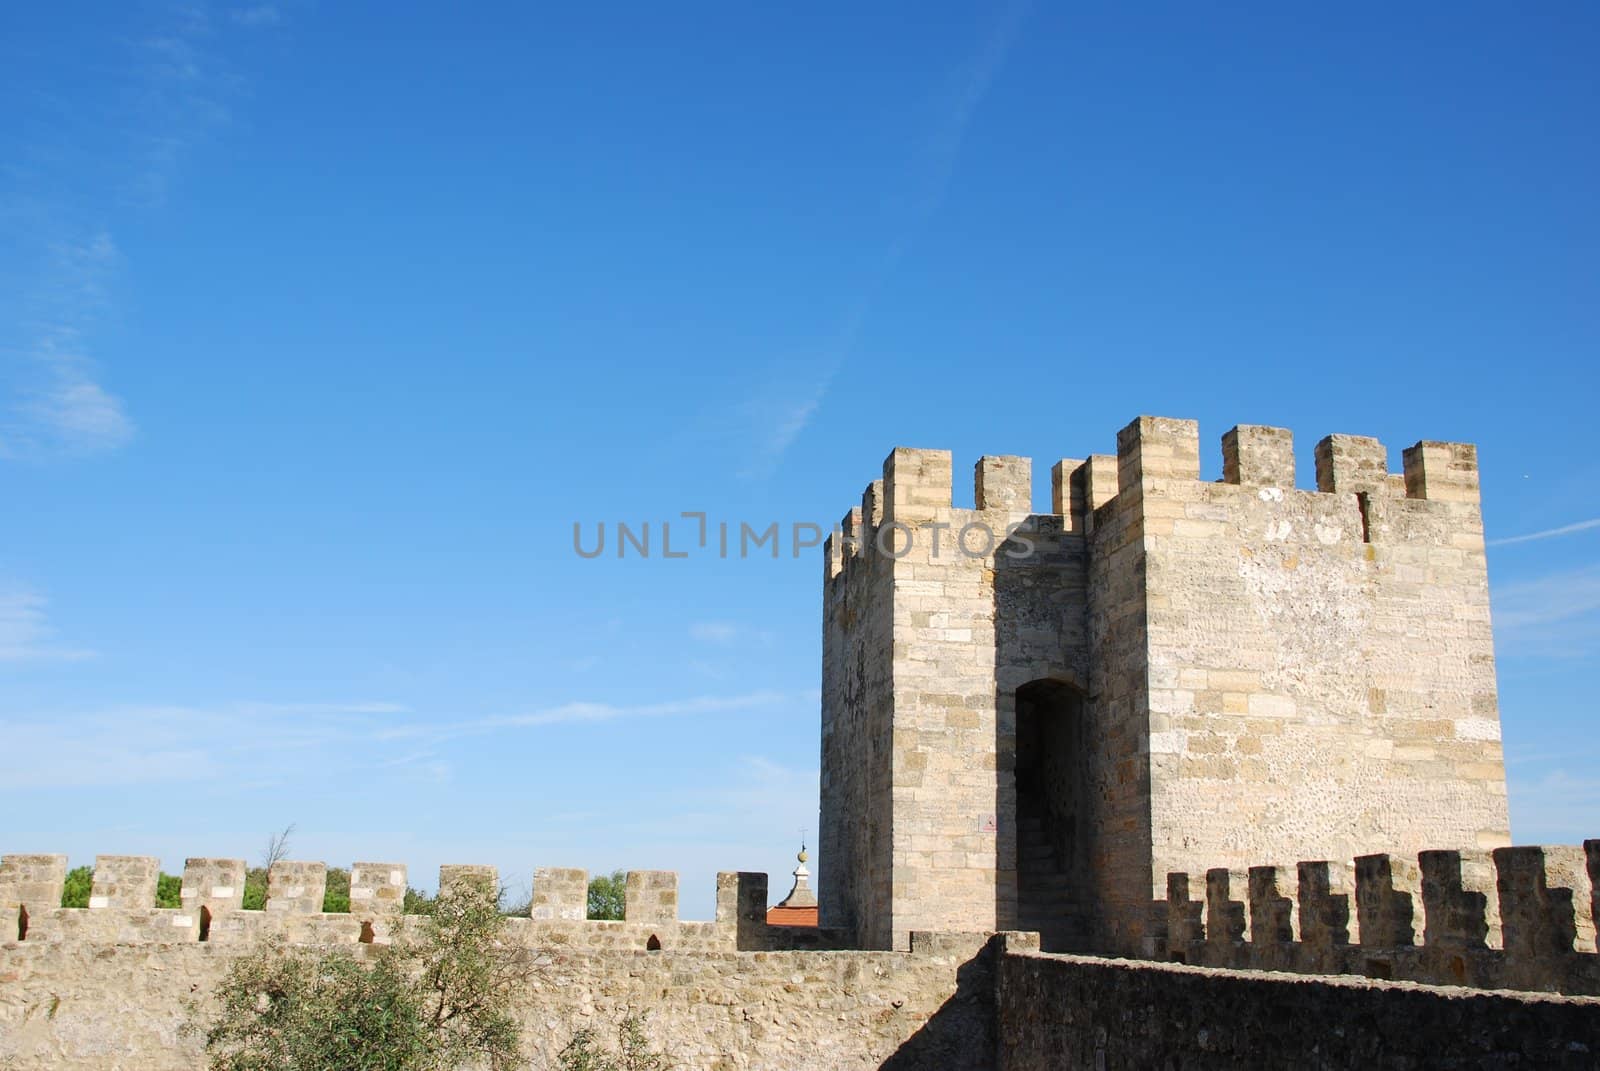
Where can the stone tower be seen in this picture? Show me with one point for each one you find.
(1028, 718)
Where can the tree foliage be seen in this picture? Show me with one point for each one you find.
(606, 895)
(437, 998)
(75, 893)
(336, 897)
(169, 890)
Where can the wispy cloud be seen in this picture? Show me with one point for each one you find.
(245, 743)
(257, 15)
(26, 635)
(787, 404)
(254, 744)
(587, 711)
(714, 631)
(59, 405)
(1548, 533)
(63, 198)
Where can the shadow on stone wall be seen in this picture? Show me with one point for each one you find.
(962, 1032)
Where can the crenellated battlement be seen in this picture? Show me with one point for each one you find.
(917, 484)
(122, 907)
(1510, 918)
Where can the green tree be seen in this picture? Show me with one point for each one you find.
(606, 895)
(75, 892)
(169, 891)
(435, 999)
(255, 888)
(336, 898)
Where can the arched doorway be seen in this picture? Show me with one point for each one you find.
(1052, 849)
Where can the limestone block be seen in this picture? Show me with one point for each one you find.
(377, 888)
(29, 884)
(741, 897)
(296, 888)
(1227, 920)
(650, 896)
(916, 484)
(1352, 464)
(872, 504)
(1158, 448)
(1257, 456)
(1066, 493)
(1542, 890)
(214, 884)
(1388, 897)
(1442, 472)
(1591, 850)
(453, 876)
(1185, 921)
(1326, 892)
(1004, 483)
(33, 880)
(560, 893)
(1272, 892)
(124, 882)
(1460, 903)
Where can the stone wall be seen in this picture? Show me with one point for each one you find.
(1321, 668)
(1263, 673)
(856, 821)
(1072, 1011)
(933, 620)
(82, 1006)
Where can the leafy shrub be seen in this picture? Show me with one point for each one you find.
(633, 1053)
(436, 998)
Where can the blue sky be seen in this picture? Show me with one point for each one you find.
(321, 324)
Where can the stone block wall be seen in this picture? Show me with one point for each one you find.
(1121, 1015)
(1264, 672)
(1512, 918)
(81, 1006)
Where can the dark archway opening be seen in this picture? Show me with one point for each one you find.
(653, 945)
(22, 923)
(205, 923)
(1052, 849)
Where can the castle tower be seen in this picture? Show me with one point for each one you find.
(1029, 719)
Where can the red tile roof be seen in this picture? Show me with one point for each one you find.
(791, 916)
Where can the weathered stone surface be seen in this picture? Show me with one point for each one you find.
(82, 1007)
(296, 888)
(1242, 672)
(1068, 1012)
(377, 889)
